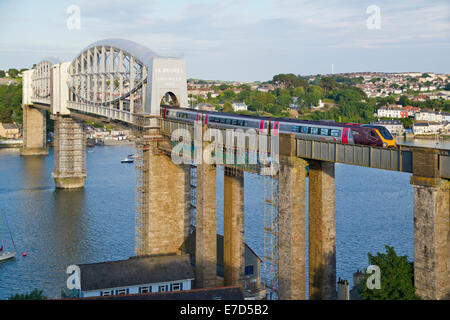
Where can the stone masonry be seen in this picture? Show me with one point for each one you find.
(431, 227)
(322, 231)
(34, 132)
(292, 230)
(234, 245)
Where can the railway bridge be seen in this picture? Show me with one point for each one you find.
(125, 83)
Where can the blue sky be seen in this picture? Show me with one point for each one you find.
(240, 40)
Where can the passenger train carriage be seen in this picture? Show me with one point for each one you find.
(347, 133)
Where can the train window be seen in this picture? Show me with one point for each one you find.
(373, 134)
(265, 124)
(234, 122)
(245, 123)
(295, 129)
(304, 129)
(335, 133)
(324, 131)
(222, 120)
(228, 121)
(314, 130)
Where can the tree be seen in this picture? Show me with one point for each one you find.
(227, 107)
(397, 277)
(13, 73)
(2, 74)
(33, 295)
(287, 80)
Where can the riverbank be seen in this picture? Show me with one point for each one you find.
(11, 143)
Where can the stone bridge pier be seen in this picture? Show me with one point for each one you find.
(431, 227)
(69, 145)
(34, 131)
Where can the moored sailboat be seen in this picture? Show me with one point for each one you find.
(4, 255)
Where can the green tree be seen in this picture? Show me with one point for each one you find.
(33, 295)
(2, 74)
(13, 73)
(397, 277)
(227, 107)
(287, 80)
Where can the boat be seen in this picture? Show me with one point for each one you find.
(132, 156)
(4, 255)
(127, 160)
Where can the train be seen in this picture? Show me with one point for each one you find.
(346, 133)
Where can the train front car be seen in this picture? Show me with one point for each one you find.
(382, 135)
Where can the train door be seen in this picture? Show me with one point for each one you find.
(345, 135)
(276, 127)
(261, 126)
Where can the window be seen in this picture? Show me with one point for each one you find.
(177, 286)
(145, 289)
(121, 291)
(304, 129)
(163, 288)
(249, 270)
(228, 121)
(295, 129)
(324, 131)
(335, 133)
(314, 130)
(234, 122)
(105, 293)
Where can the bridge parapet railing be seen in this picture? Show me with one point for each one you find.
(366, 156)
(41, 100)
(105, 111)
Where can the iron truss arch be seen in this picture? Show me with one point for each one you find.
(40, 79)
(111, 73)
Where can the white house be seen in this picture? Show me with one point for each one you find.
(394, 126)
(239, 106)
(136, 275)
(428, 115)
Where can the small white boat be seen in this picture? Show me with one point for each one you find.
(4, 255)
(127, 160)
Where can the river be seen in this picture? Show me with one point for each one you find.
(57, 228)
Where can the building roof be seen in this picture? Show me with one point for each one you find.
(189, 247)
(9, 125)
(135, 271)
(220, 293)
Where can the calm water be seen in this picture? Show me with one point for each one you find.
(59, 228)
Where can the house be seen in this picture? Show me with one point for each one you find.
(252, 263)
(392, 112)
(135, 275)
(394, 126)
(428, 127)
(239, 106)
(221, 293)
(428, 115)
(205, 106)
(9, 131)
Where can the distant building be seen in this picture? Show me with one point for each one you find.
(136, 275)
(252, 263)
(394, 126)
(392, 112)
(221, 293)
(9, 131)
(428, 127)
(239, 106)
(205, 106)
(428, 115)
